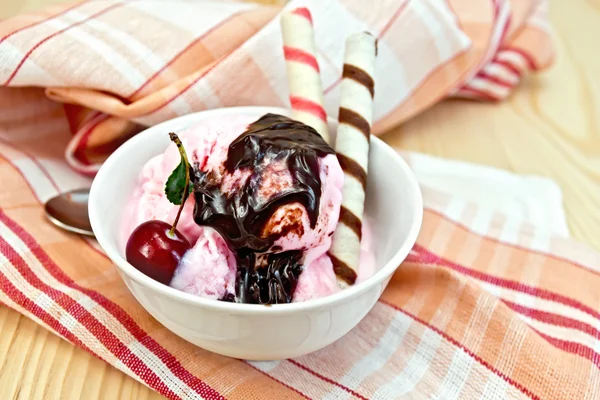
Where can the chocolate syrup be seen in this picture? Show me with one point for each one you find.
(240, 216)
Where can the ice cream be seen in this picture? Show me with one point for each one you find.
(266, 201)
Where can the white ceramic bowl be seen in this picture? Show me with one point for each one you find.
(394, 208)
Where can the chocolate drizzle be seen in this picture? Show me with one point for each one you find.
(268, 278)
(241, 215)
(352, 118)
(348, 218)
(351, 167)
(342, 270)
(359, 75)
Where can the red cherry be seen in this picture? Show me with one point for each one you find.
(155, 251)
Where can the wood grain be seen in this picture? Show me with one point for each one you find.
(550, 127)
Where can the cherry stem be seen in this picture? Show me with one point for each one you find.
(186, 190)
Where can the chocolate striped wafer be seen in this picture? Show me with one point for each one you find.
(304, 77)
(352, 148)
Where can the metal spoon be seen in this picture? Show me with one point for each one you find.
(69, 211)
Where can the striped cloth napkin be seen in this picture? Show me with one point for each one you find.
(117, 66)
(482, 308)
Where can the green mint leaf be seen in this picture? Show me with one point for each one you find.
(175, 185)
(178, 187)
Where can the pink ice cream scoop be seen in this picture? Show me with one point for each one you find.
(265, 203)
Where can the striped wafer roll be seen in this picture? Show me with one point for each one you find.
(304, 78)
(352, 148)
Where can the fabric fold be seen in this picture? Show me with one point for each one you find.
(145, 61)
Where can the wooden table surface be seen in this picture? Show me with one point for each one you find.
(550, 127)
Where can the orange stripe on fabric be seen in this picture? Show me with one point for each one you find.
(325, 379)
(380, 349)
(20, 193)
(257, 89)
(351, 350)
(402, 284)
(408, 354)
(523, 287)
(489, 351)
(306, 383)
(57, 33)
(431, 288)
(449, 75)
(546, 254)
(440, 369)
(570, 374)
(479, 383)
(467, 247)
(195, 55)
(535, 45)
(439, 291)
(432, 89)
(436, 234)
(267, 385)
(15, 25)
(159, 101)
(511, 285)
(480, 93)
(242, 378)
(523, 388)
(580, 286)
(458, 327)
(481, 321)
(103, 137)
(26, 154)
(236, 31)
(492, 337)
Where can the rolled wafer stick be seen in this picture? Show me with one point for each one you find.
(304, 78)
(352, 148)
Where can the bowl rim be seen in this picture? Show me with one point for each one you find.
(324, 302)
